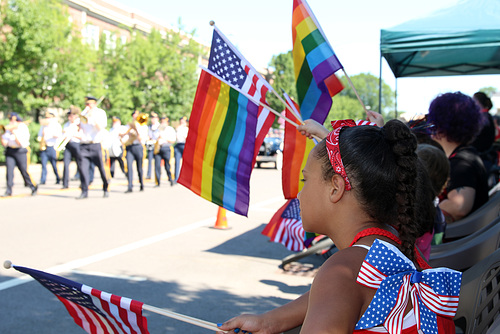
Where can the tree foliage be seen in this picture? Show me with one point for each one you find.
(43, 63)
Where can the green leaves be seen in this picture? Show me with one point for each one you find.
(44, 63)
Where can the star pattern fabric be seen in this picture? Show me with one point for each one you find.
(432, 291)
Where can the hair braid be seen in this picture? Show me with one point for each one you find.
(404, 144)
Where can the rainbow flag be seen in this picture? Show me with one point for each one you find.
(315, 64)
(219, 152)
(296, 149)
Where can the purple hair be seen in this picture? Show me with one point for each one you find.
(456, 116)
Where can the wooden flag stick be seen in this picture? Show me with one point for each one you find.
(250, 97)
(355, 91)
(182, 317)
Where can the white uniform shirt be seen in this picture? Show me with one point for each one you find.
(115, 139)
(167, 136)
(50, 132)
(182, 133)
(91, 134)
(153, 131)
(72, 130)
(143, 133)
(23, 135)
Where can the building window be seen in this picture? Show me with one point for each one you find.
(109, 41)
(91, 35)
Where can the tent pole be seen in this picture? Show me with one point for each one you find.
(396, 100)
(380, 86)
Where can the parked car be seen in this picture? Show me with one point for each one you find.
(271, 150)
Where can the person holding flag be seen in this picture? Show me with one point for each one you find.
(360, 189)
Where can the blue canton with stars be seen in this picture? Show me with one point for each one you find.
(292, 211)
(392, 263)
(224, 62)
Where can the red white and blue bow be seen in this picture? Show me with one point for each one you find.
(432, 291)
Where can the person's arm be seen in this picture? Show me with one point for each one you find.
(311, 129)
(278, 320)
(459, 202)
(4, 141)
(375, 117)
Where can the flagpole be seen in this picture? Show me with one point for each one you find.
(251, 98)
(182, 317)
(355, 91)
(212, 23)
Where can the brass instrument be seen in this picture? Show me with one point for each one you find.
(157, 147)
(132, 133)
(85, 115)
(10, 127)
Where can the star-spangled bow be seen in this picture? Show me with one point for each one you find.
(432, 291)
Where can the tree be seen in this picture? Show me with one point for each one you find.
(489, 90)
(157, 73)
(41, 63)
(282, 77)
(367, 86)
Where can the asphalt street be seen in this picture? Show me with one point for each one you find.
(157, 246)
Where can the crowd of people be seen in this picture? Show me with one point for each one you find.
(384, 193)
(85, 139)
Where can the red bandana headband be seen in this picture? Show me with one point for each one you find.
(332, 146)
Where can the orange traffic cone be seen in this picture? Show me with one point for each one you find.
(221, 222)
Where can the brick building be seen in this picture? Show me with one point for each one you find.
(97, 19)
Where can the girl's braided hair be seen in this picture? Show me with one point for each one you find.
(386, 177)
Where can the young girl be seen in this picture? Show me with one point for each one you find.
(360, 187)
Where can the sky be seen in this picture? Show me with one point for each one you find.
(262, 28)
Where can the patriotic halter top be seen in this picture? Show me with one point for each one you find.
(433, 292)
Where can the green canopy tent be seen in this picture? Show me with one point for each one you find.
(460, 40)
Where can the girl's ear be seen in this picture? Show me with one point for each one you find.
(337, 188)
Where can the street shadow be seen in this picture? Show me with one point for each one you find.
(30, 307)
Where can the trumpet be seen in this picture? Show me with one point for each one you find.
(132, 133)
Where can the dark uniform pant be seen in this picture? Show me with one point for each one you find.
(178, 151)
(112, 164)
(134, 152)
(72, 151)
(164, 154)
(17, 157)
(49, 155)
(91, 153)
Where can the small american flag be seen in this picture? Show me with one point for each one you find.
(286, 228)
(93, 310)
(226, 61)
(432, 291)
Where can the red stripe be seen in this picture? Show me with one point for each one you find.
(293, 155)
(105, 307)
(71, 310)
(271, 227)
(186, 175)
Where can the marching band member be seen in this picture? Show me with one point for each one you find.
(16, 140)
(165, 137)
(116, 147)
(71, 135)
(134, 140)
(182, 133)
(93, 125)
(49, 132)
(150, 143)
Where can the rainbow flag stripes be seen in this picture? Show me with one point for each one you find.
(219, 152)
(315, 64)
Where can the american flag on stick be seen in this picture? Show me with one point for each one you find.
(229, 64)
(101, 312)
